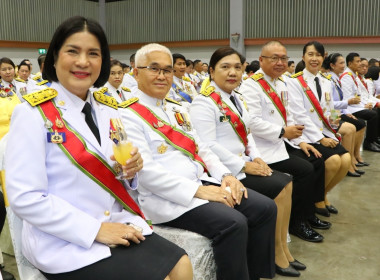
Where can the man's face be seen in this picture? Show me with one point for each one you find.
(198, 67)
(270, 60)
(156, 85)
(205, 67)
(363, 67)
(354, 65)
(24, 72)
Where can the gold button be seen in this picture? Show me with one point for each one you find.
(107, 213)
(321, 128)
(240, 154)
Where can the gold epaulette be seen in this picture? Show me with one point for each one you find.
(187, 79)
(20, 80)
(107, 100)
(126, 89)
(172, 101)
(257, 76)
(37, 77)
(328, 77)
(42, 83)
(208, 91)
(246, 77)
(300, 73)
(38, 97)
(281, 79)
(130, 73)
(128, 102)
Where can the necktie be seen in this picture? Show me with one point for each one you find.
(318, 88)
(120, 94)
(232, 98)
(90, 121)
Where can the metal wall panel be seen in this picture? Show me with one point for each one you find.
(36, 20)
(167, 20)
(311, 18)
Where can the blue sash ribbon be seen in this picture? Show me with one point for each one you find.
(184, 95)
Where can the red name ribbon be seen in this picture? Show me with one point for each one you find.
(352, 76)
(176, 138)
(309, 93)
(89, 163)
(363, 82)
(235, 121)
(271, 93)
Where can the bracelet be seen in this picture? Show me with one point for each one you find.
(227, 174)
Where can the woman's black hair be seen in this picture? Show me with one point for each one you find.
(66, 29)
(332, 58)
(8, 61)
(318, 46)
(300, 66)
(373, 73)
(219, 54)
(116, 62)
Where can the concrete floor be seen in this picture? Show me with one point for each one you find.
(351, 249)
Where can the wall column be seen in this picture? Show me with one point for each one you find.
(102, 14)
(237, 25)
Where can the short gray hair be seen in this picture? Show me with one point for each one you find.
(147, 49)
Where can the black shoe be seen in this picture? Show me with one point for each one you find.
(297, 265)
(353, 174)
(315, 222)
(361, 172)
(305, 232)
(362, 163)
(322, 211)
(332, 209)
(289, 271)
(371, 147)
(6, 275)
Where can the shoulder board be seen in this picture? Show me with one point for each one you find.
(257, 76)
(300, 73)
(130, 73)
(41, 96)
(128, 102)
(38, 77)
(208, 91)
(172, 101)
(101, 97)
(20, 80)
(244, 78)
(187, 79)
(42, 83)
(281, 79)
(126, 89)
(328, 77)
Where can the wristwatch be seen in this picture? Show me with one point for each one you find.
(282, 132)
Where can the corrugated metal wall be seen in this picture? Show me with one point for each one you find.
(139, 21)
(311, 18)
(36, 20)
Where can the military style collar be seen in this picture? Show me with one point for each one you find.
(150, 101)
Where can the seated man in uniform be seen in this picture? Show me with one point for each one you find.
(173, 189)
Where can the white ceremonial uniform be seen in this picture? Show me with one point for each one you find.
(371, 87)
(123, 91)
(18, 87)
(341, 104)
(169, 179)
(130, 82)
(303, 111)
(350, 90)
(266, 120)
(377, 86)
(184, 86)
(207, 120)
(198, 78)
(62, 208)
(366, 97)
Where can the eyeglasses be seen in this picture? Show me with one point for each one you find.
(275, 59)
(157, 71)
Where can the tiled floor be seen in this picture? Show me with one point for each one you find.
(351, 249)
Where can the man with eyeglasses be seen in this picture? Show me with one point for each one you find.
(175, 189)
(182, 89)
(280, 141)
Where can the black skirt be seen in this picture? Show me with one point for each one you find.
(358, 123)
(153, 258)
(270, 186)
(328, 152)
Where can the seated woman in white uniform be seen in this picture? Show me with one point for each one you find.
(79, 220)
(222, 121)
(114, 83)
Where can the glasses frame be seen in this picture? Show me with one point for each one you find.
(167, 72)
(275, 59)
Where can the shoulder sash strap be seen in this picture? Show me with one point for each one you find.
(87, 161)
(271, 93)
(234, 119)
(315, 103)
(350, 74)
(182, 94)
(363, 82)
(175, 137)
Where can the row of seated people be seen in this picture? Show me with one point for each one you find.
(240, 164)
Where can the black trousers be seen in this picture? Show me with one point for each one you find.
(372, 118)
(3, 212)
(242, 237)
(308, 182)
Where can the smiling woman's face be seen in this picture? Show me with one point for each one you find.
(227, 73)
(79, 63)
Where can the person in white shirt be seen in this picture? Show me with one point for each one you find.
(114, 83)
(372, 77)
